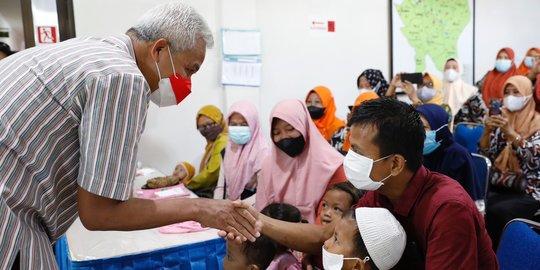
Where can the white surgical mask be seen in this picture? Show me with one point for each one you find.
(426, 94)
(332, 261)
(450, 75)
(503, 65)
(514, 104)
(364, 90)
(358, 170)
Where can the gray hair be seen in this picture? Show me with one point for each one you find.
(176, 22)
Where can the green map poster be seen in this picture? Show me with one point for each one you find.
(427, 32)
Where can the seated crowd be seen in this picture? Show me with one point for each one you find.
(389, 187)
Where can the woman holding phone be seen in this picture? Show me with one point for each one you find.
(429, 88)
(511, 140)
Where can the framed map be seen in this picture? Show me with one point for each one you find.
(427, 32)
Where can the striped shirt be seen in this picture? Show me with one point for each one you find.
(71, 115)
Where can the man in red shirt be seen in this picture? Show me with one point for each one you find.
(444, 228)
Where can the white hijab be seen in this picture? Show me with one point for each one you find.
(456, 93)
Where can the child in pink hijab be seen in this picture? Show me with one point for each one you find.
(244, 154)
(301, 166)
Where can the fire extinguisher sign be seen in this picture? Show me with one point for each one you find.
(46, 34)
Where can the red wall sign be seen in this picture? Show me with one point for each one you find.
(46, 34)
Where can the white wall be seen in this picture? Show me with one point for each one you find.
(11, 18)
(503, 23)
(295, 59)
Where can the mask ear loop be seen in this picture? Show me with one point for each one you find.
(170, 56)
(158, 73)
(437, 130)
(366, 259)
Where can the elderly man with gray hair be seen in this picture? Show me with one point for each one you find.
(71, 116)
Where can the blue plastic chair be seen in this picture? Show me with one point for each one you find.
(482, 165)
(519, 247)
(468, 135)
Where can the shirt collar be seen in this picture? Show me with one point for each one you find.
(123, 42)
(411, 194)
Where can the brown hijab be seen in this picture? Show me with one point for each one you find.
(525, 122)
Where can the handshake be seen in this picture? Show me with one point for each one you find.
(236, 220)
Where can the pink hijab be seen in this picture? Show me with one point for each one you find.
(242, 162)
(300, 181)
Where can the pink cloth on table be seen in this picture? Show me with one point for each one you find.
(285, 261)
(183, 227)
(149, 194)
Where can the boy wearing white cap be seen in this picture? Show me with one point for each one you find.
(374, 240)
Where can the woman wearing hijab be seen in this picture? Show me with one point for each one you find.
(245, 152)
(301, 165)
(532, 55)
(493, 81)
(372, 80)
(211, 125)
(429, 92)
(322, 109)
(512, 142)
(534, 76)
(442, 154)
(342, 143)
(464, 100)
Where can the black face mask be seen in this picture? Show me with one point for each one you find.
(211, 133)
(292, 146)
(315, 112)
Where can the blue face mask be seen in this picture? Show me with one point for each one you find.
(239, 134)
(430, 143)
(503, 65)
(529, 61)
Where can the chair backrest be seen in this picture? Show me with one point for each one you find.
(482, 165)
(468, 135)
(519, 247)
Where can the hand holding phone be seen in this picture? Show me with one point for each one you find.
(414, 78)
(495, 106)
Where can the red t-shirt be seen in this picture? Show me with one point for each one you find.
(444, 228)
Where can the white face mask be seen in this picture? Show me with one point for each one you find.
(364, 90)
(358, 170)
(514, 104)
(332, 261)
(450, 75)
(426, 94)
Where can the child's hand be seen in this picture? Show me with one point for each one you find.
(307, 262)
